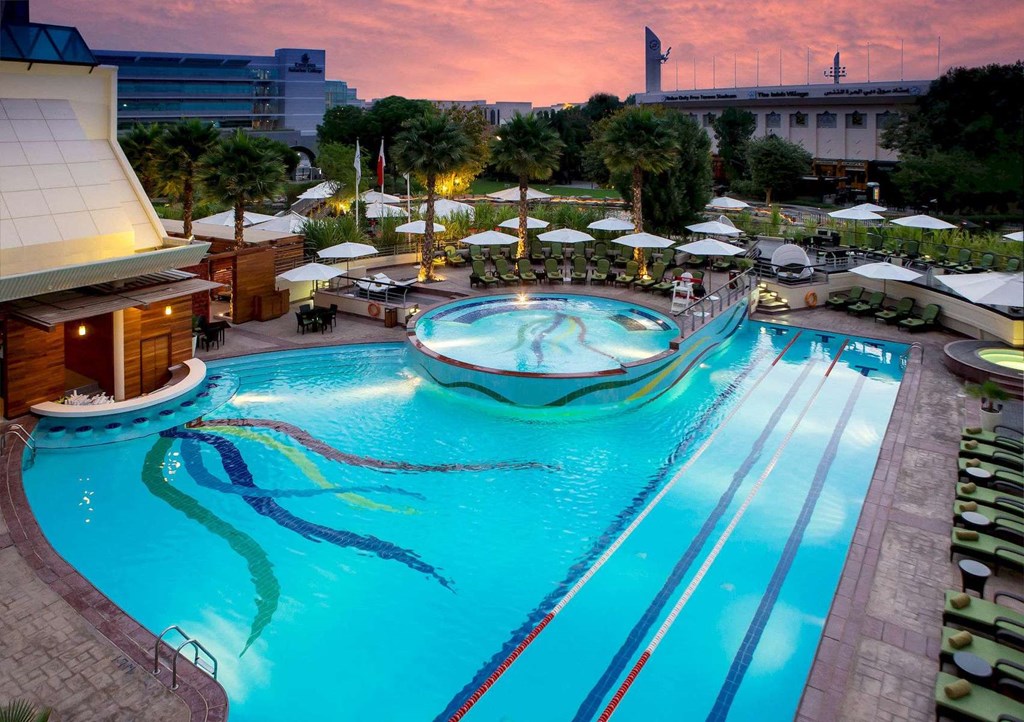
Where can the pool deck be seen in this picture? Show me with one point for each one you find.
(62, 643)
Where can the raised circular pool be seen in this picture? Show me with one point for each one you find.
(546, 349)
(1011, 358)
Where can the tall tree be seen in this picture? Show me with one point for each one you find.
(182, 148)
(141, 146)
(341, 124)
(776, 165)
(529, 148)
(475, 126)
(637, 140)
(733, 129)
(975, 113)
(240, 172)
(336, 163)
(430, 145)
(289, 158)
(600, 105)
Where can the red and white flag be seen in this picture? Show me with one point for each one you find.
(380, 164)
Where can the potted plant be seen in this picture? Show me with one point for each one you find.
(992, 395)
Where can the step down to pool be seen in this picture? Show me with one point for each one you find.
(768, 302)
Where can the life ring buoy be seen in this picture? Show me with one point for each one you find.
(811, 299)
(373, 309)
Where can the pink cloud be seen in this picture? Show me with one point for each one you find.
(561, 50)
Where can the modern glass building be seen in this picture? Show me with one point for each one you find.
(285, 91)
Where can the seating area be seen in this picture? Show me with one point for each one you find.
(211, 334)
(380, 287)
(981, 659)
(316, 318)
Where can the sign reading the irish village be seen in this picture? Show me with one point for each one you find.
(305, 66)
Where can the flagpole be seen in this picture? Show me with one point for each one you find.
(359, 176)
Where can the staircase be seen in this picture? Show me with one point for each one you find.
(769, 302)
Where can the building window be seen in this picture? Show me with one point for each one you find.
(856, 120)
(826, 120)
(886, 119)
(798, 120)
(692, 116)
(773, 120)
(708, 119)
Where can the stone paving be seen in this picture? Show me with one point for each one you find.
(878, 655)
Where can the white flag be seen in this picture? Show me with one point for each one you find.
(358, 164)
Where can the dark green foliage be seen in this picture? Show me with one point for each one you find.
(141, 145)
(289, 158)
(181, 149)
(22, 711)
(963, 143)
(776, 165)
(733, 129)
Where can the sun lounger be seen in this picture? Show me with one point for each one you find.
(839, 302)
(998, 499)
(991, 651)
(987, 548)
(900, 311)
(972, 449)
(926, 320)
(983, 616)
(980, 704)
(994, 438)
(601, 271)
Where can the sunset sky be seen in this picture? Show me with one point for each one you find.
(560, 50)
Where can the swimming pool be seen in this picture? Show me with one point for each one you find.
(355, 542)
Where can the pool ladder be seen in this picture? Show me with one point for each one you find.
(905, 356)
(19, 432)
(201, 656)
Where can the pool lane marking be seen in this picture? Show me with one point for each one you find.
(600, 562)
(609, 710)
(745, 654)
(620, 660)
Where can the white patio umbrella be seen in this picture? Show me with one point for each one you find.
(227, 218)
(868, 207)
(926, 222)
(311, 272)
(710, 247)
(347, 251)
(418, 227)
(380, 210)
(490, 238)
(318, 192)
(1018, 236)
(565, 235)
(855, 214)
(288, 223)
(992, 289)
(512, 194)
(378, 197)
(714, 228)
(643, 240)
(444, 208)
(531, 223)
(611, 223)
(885, 271)
(725, 203)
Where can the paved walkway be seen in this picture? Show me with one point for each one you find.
(877, 659)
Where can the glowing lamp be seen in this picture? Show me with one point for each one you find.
(81, 329)
(168, 310)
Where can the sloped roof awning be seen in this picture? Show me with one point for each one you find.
(89, 274)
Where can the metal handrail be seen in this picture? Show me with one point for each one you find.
(196, 649)
(725, 296)
(21, 433)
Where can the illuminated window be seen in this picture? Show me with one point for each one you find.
(856, 120)
(798, 120)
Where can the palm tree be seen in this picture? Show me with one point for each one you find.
(141, 146)
(240, 172)
(431, 144)
(528, 147)
(636, 141)
(183, 145)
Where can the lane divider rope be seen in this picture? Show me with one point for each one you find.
(600, 562)
(713, 554)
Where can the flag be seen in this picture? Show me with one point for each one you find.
(380, 164)
(358, 164)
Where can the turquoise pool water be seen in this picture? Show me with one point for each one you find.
(545, 333)
(356, 543)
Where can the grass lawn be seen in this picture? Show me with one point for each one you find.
(482, 187)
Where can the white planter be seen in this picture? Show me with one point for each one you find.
(990, 419)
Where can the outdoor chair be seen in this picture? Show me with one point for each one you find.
(695, 261)
(986, 617)
(978, 704)
(723, 264)
(579, 270)
(480, 276)
(925, 321)
(839, 302)
(624, 257)
(553, 270)
(600, 274)
(971, 449)
(648, 282)
(863, 308)
(536, 252)
(579, 250)
(668, 256)
(628, 276)
(990, 650)
(600, 251)
(452, 257)
(987, 262)
(209, 337)
(526, 274)
(1012, 265)
(987, 549)
(476, 254)
(1009, 527)
(994, 438)
(328, 316)
(1006, 502)
(903, 308)
(963, 261)
(306, 321)
(665, 285)
(908, 251)
(504, 272)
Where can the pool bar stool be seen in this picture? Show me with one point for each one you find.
(202, 658)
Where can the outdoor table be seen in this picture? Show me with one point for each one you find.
(972, 667)
(973, 575)
(974, 520)
(976, 473)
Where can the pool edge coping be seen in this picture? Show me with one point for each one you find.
(203, 696)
